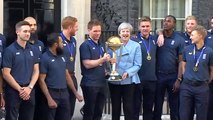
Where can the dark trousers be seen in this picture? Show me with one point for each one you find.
(72, 96)
(125, 94)
(210, 108)
(40, 104)
(94, 98)
(62, 112)
(145, 92)
(165, 83)
(17, 108)
(197, 94)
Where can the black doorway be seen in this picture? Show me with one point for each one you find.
(46, 12)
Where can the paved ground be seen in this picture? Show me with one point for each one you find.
(78, 116)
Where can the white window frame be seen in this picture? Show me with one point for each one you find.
(188, 10)
(1, 16)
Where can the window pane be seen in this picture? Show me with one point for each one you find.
(157, 24)
(177, 8)
(159, 8)
(180, 25)
(145, 8)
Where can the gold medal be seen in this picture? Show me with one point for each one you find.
(71, 58)
(195, 68)
(148, 57)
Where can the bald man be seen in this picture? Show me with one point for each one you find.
(34, 36)
(39, 46)
(33, 24)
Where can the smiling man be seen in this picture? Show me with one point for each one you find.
(147, 74)
(20, 70)
(197, 72)
(93, 83)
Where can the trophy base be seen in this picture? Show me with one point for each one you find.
(115, 78)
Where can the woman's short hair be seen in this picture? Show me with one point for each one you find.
(125, 25)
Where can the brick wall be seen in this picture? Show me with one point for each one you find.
(112, 12)
(203, 9)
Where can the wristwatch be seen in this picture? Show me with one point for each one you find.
(179, 79)
(30, 86)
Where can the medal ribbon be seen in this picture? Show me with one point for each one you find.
(147, 48)
(70, 47)
(197, 61)
(98, 47)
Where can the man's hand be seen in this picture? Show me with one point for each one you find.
(24, 93)
(176, 86)
(51, 103)
(209, 81)
(160, 40)
(106, 57)
(2, 103)
(79, 97)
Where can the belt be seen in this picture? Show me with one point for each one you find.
(195, 83)
(24, 85)
(58, 89)
(166, 72)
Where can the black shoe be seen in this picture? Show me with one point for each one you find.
(2, 113)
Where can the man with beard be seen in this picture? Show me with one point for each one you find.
(20, 71)
(54, 79)
(69, 28)
(39, 46)
(169, 58)
(34, 35)
(190, 24)
(210, 31)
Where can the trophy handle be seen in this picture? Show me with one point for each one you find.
(108, 64)
(113, 64)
